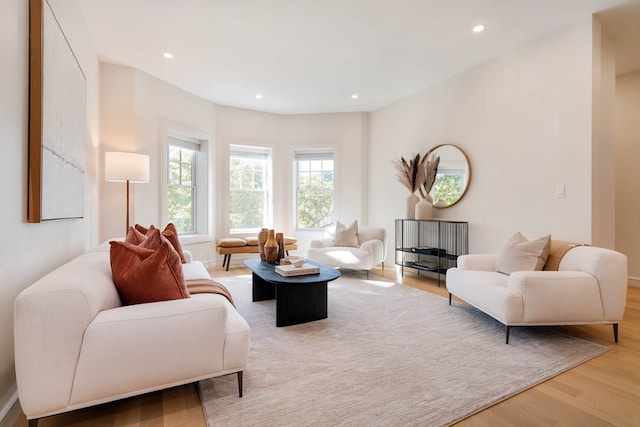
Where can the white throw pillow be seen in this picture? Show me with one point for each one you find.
(520, 254)
(346, 236)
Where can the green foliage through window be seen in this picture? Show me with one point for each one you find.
(314, 190)
(181, 189)
(249, 187)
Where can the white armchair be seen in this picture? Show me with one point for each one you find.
(371, 250)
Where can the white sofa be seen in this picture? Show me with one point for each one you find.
(590, 287)
(371, 250)
(77, 346)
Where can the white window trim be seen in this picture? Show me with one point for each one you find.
(226, 226)
(204, 180)
(317, 146)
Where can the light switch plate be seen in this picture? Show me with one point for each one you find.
(560, 190)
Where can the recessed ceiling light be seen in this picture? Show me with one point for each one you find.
(258, 96)
(478, 28)
(354, 96)
(168, 55)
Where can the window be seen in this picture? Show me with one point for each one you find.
(314, 188)
(185, 200)
(249, 188)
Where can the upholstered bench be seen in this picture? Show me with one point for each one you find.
(228, 246)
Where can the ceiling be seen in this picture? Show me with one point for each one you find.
(311, 56)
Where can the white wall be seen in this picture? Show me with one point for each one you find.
(627, 171)
(524, 119)
(28, 251)
(345, 132)
(133, 107)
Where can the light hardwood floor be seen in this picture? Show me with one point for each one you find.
(604, 391)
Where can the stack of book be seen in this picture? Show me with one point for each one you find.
(291, 270)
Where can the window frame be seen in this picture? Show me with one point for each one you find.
(269, 180)
(203, 203)
(320, 152)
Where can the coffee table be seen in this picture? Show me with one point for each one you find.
(299, 299)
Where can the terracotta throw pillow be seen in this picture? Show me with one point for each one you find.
(171, 233)
(148, 272)
(520, 254)
(346, 236)
(134, 236)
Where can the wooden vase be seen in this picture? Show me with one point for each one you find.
(262, 239)
(280, 242)
(271, 248)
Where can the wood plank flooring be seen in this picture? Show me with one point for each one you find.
(604, 391)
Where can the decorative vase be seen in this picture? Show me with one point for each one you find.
(271, 248)
(412, 200)
(280, 242)
(262, 238)
(424, 209)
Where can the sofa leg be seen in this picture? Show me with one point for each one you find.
(33, 422)
(615, 332)
(449, 298)
(240, 383)
(383, 265)
(507, 329)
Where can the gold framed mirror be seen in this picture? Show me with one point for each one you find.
(453, 176)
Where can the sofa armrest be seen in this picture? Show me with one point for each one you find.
(321, 243)
(144, 345)
(188, 256)
(558, 296)
(478, 262)
(375, 247)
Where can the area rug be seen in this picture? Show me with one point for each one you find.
(387, 355)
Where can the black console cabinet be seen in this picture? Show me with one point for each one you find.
(430, 246)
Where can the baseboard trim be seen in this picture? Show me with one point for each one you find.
(634, 281)
(11, 411)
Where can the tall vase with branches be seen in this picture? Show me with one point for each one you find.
(424, 208)
(410, 173)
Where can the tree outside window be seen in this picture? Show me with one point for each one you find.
(181, 188)
(249, 188)
(314, 172)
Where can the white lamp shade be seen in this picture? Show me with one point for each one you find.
(121, 167)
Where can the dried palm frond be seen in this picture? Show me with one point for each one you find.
(430, 172)
(410, 172)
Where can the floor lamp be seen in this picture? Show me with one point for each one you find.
(126, 167)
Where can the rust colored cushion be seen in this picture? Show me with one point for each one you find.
(171, 233)
(134, 236)
(148, 272)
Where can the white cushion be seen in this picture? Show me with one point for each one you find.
(520, 254)
(346, 236)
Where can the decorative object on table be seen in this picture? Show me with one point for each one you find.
(262, 238)
(424, 208)
(411, 175)
(292, 270)
(271, 248)
(280, 242)
(126, 167)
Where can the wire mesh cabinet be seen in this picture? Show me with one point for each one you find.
(430, 246)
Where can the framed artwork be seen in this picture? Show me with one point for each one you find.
(57, 129)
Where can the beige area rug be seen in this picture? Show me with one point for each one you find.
(387, 355)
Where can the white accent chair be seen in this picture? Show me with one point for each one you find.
(76, 345)
(590, 287)
(371, 252)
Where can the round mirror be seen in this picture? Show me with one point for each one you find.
(453, 175)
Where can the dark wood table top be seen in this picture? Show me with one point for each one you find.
(268, 272)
